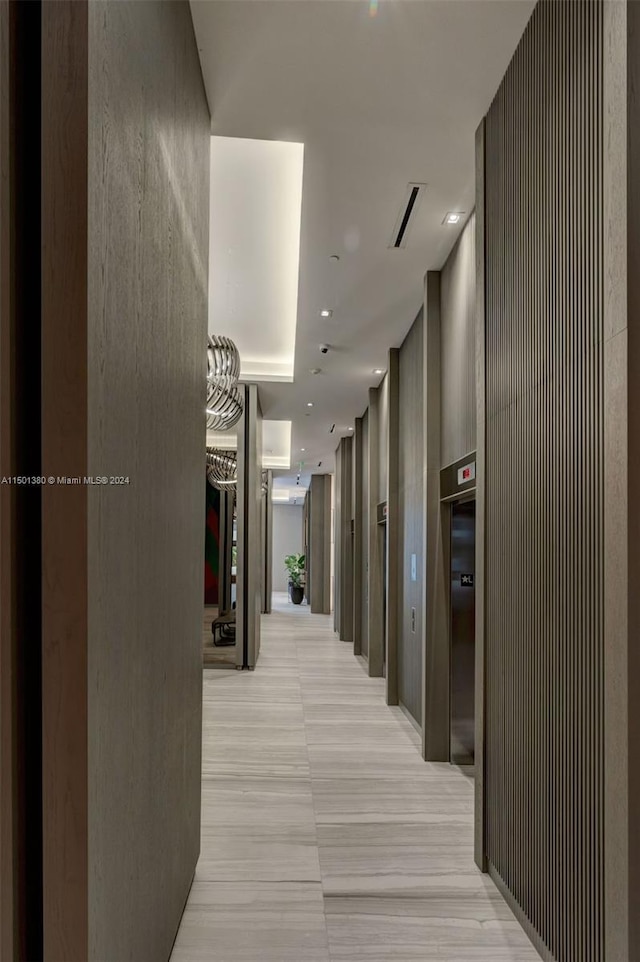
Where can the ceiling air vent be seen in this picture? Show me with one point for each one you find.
(406, 217)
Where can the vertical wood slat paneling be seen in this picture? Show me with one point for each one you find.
(544, 480)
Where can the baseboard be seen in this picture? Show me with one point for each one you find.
(408, 714)
(530, 931)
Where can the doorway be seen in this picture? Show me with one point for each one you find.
(462, 631)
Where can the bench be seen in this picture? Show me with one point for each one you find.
(224, 627)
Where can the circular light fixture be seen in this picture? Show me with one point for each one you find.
(224, 398)
(453, 217)
(224, 406)
(309, 404)
(222, 469)
(349, 429)
(334, 258)
(315, 370)
(222, 357)
(378, 370)
(325, 312)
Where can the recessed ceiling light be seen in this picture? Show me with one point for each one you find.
(453, 217)
(349, 429)
(325, 312)
(315, 370)
(303, 449)
(378, 370)
(309, 404)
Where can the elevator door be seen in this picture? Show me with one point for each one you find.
(462, 651)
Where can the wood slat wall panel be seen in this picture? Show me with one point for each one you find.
(544, 582)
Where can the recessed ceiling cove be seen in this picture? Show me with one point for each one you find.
(254, 251)
(276, 443)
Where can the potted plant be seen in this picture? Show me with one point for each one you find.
(294, 564)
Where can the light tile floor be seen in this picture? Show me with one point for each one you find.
(325, 837)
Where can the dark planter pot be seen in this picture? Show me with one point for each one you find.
(297, 594)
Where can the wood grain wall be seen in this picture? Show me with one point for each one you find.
(357, 467)
(65, 574)
(319, 549)
(410, 520)
(437, 572)
(545, 496)
(363, 515)
(457, 346)
(148, 252)
(124, 336)
(383, 435)
(376, 587)
(343, 540)
(250, 533)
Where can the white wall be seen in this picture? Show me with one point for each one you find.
(287, 539)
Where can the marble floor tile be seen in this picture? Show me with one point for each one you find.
(325, 837)
(245, 922)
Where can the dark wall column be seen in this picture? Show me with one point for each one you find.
(125, 178)
(250, 530)
(435, 699)
(343, 540)
(319, 559)
(65, 322)
(267, 541)
(357, 518)
(394, 560)
(481, 494)
(20, 505)
(375, 566)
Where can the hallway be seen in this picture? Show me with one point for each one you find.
(325, 837)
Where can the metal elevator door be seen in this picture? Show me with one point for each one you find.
(462, 648)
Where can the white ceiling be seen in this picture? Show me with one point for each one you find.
(276, 443)
(378, 102)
